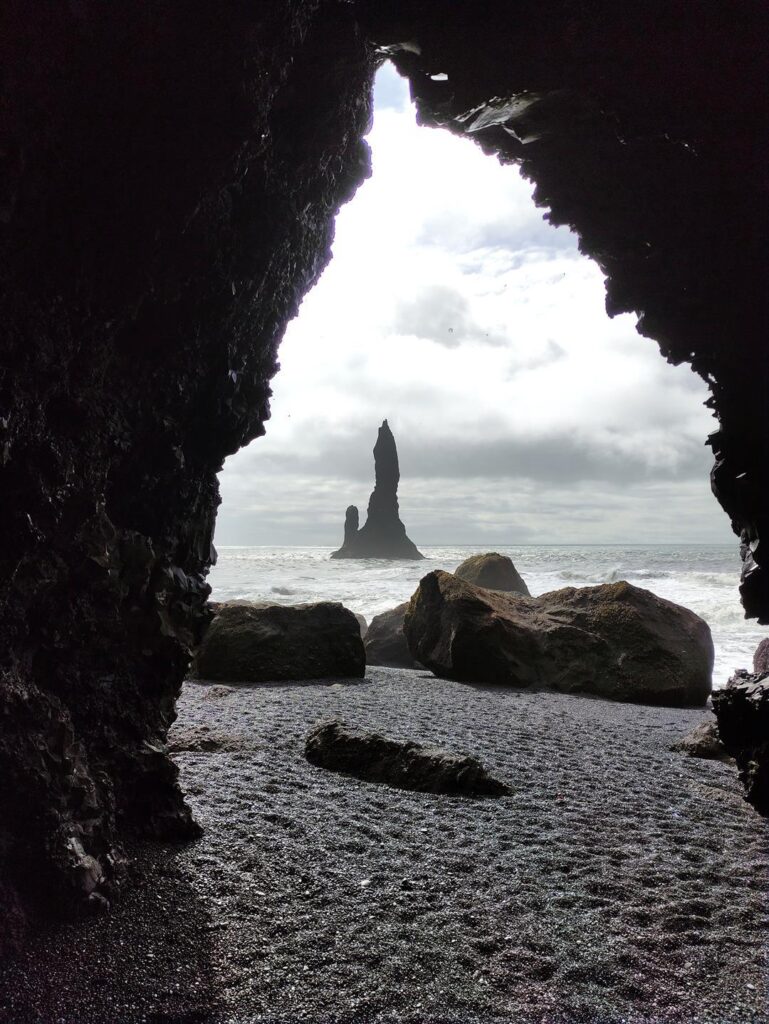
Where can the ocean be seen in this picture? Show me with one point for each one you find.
(701, 577)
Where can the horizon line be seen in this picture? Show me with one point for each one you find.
(520, 544)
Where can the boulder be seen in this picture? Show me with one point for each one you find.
(615, 640)
(362, 624)
(703, 741)
(249, 642)
(372, 757)
(761, 657)
(383, 535)
(742, 710)
(492, 571)
(386, 642)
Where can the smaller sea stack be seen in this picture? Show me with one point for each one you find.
(383, 535)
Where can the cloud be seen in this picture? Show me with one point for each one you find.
(447, 510)
(389, 90)
(514, 230)
(441, 314)
(559, 458)
(521, 412)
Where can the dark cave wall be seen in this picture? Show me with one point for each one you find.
(168, 180)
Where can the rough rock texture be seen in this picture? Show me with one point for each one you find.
(742, 710)
(168, 185)
(386, 642)
(168, 179)
(405, 765)
(761, 657)
(615, 640)
(383, 535)
(493, 571)
(703, 741)
(249, 643)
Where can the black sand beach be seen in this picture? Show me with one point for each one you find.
(620, 882)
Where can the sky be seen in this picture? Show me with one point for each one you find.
(521, 412)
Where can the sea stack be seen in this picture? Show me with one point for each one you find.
(383, 535)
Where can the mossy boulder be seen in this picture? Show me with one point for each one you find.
(615, 640)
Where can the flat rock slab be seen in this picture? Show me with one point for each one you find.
(406, 765)
(255, 643)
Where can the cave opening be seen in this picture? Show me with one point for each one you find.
(526, 420)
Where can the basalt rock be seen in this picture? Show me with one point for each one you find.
(703, 741)
(742, 710)
(169, 179)
(615, 641)
(251, 643)
(169, 175)
(493, 571)
(761, 657)
(386, 642)
(372, 757)
(383, 534)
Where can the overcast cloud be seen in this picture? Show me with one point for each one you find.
(521, 412)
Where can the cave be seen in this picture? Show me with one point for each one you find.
(170, 177)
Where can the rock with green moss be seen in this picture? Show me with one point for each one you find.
(615, 640)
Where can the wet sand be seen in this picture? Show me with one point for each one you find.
(620, 882)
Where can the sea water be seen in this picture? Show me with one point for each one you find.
(701, 577)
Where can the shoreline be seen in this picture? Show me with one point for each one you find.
(619, 881)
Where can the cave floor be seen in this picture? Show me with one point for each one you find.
(619, 881)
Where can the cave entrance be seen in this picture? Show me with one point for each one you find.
(525, 418)
(529, 423)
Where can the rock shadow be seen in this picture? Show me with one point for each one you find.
(149, 960)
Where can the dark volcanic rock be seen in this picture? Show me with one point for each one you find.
(361, 619)
(493, 571)
(351, 524)
(703, 741)
(386, 642)
(383, 535)
(250, 643)
(742, 710)
(372, 757)
(616, 640)
(168, 187)
(761, 657)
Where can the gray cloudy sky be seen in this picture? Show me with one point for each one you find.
(522, 413)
